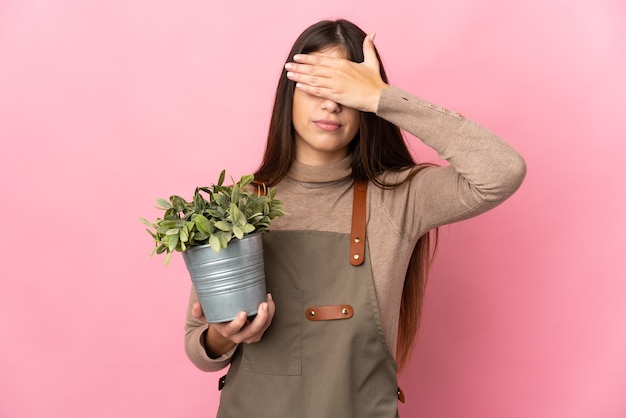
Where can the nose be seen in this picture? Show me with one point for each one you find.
(330, 106)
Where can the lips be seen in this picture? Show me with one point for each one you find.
(327, 125)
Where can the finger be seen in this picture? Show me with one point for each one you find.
(230, 329)
(271, 305)
(271, 308)
(253, 331)
(310, 80)
(321, 60)
(310, 75)
(196, 310)
(369, 52)
(309, 69)
(318, 91)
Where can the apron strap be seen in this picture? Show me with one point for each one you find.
(357, 234)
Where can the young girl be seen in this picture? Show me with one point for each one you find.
(346, 269)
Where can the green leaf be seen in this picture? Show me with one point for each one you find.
(224, 238)
(199, 202)
(178, 203)
(171, 215)
(245, 180)
(173, 231)
(220, 199)
(216, 213)
(200, 236)
(238, 232)
(223, 226)
(163, 204)
(236, 215)
(162, 230)
(172, 242)
(184, 235)
(222, 177)
(169, 223)
(248, 228)
(167, 259)
(203, 224)
(234, 194)
(214, 242)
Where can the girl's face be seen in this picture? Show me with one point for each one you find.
(323, 128)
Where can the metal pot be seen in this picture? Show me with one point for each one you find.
(230, 281)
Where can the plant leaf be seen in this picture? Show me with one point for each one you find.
(184, 235)
(236, 215)
(224, 238)
(203, 224)
(247, 228)
(200, 236)
(163, 204)
(245, 180)
(223, 226)
(172, 242)
(220, 199)
(214, 242)
(178, 202)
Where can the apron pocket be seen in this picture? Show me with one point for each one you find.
(280, 350)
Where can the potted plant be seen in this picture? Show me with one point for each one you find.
(228, 274)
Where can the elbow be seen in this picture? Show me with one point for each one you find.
(512, 175)
(506, 179)
(516, 172)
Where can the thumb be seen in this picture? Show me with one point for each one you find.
(369, 52)
(196, 310)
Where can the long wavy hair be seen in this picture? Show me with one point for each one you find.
(377, 147)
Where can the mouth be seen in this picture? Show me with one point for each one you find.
(327, 125)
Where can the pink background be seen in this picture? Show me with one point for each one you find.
(107, 105)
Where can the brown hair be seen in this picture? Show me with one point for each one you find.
(377, 147)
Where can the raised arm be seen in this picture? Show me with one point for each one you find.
(484, 170)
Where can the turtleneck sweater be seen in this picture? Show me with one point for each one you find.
(483, 171)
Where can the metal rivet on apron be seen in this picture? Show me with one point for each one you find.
(312, 313)
(356, 256)
(345, 311)
(357, 239)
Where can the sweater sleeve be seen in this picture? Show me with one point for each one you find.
(484, 170)
(195, 330)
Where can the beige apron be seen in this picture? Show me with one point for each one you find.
(324, 354)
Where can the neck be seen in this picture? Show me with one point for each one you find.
(312, 173)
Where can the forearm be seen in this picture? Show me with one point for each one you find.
(207, 357)
(491, 167)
